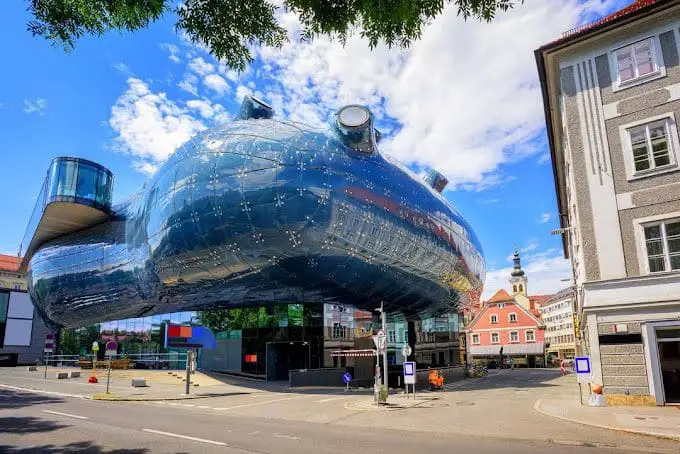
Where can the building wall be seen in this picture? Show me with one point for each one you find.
(608, 202)
(558, 318)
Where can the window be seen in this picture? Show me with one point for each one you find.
(636, 61)
(475, 339)
(514, 336)
(494, 319)
(650, 145)
(339, 331)
(662, 242)
(514, 289)
(495, 338)
(521, 288)
(513, 317)
(529, 336)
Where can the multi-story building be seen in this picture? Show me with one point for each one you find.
(508, 326)
(558, 317)
(611, 92)
(22, 332)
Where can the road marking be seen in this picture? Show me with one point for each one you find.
(64, 414)
(289, 437)
(334, 398)
(39, 391)
(174, 404)
(186, 437)
(202, 406)
(188, 405)
(257, 403)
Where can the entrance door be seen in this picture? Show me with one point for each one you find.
(669, 358)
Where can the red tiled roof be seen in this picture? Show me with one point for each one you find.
(500, 296)
(590, 26)
(9, 262)
(540, 300)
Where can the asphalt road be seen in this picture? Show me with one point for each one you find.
(41, 423)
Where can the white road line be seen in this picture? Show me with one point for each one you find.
(64, 414)
(186, 437)
(331, 399)
(174, 404)
(188, 405)
(289, 437)
(202, 406)
(257, 403)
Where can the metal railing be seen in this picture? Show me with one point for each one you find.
(173, 360)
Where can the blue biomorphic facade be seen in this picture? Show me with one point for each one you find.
(261, 211)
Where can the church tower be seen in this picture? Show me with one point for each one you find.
(518, 280)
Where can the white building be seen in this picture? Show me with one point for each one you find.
(558, 316)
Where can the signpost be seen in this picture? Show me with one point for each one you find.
(111, 349)
(410, 376)
(191, 338)
(95, 349)
(583, 374)
(49, 348)
(347, 377)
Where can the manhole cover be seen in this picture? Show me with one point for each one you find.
(465, 404)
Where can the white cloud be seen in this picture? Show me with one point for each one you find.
(546, 273)
(201, 67)
(545, 217)
(208, 110)
(122, 68)
(216, 83)
(37, 106)
(241, 92)
(149, 125)
(466, 95)
(189, 84)
(544, 158)
(172, 50)
(530, 246)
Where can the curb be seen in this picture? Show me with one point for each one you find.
(537, 407)
(113, 398)
(40, 391)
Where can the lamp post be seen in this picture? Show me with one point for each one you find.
(381, 309)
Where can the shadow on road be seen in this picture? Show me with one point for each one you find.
(27, 424)
(84, 446)
(518, 380)
(14, 399)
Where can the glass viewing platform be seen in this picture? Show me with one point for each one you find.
(75, 195)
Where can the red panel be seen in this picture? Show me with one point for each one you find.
(251, 358)
(185, 331)
(173, 331)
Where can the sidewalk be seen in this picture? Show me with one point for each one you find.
(663, 422)
(161, 385)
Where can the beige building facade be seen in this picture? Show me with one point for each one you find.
(558, 316)
(612, 101)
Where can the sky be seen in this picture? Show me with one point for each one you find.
(465, 100)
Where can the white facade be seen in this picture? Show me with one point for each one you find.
(558, 317)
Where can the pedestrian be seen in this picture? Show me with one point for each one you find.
(511, 361)
(563, 367)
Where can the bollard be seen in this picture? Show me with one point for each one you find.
(139, 382)
(61, 375)
(74, 374)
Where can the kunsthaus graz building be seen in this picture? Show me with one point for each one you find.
(298, 232)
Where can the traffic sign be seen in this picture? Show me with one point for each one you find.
(582, 367)
(95, 346)
(111, 348)
(409, 373)
(49, 343)
(380, 341)
(406, 351)
(347, 377)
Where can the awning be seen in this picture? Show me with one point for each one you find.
(533, 348)
(353, 353)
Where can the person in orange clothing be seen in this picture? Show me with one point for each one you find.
(435, 379)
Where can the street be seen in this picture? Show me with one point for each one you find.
(278, 422)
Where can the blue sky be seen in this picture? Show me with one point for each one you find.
(464, 100)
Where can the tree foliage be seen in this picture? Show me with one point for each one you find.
(230, 28)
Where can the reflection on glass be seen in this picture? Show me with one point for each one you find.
(87, 182)
(67, 178)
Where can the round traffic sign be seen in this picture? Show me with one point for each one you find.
(111, 346)
(95, 346)
(406, 351)
(347, 377)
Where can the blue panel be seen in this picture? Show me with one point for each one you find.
(262, 211)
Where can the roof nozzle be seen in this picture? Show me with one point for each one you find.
(254, 109)
(436, 180)
(354, 125)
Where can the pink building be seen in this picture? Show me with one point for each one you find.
(506, 325)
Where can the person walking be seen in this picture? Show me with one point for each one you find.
(563, 367)
(511, 362)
